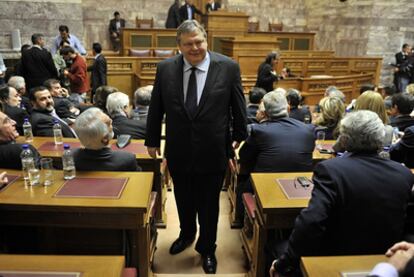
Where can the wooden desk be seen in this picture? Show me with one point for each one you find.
(288, 40)
(231, 181)
(144, 160)
(89, 266)
(273, 211)
(22, 206)
(333, 266)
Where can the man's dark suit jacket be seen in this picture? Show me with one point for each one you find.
(402, 122)
(184, 13)
(400, 58)
(251, 113)
(18, 115)
(201, 144)
(358, 207)
(104, 160)
(127, 126)
(173, 17)
(10, 155)
(98, 73)
(37, 67)
(265, 78)
(300, 113)
(42, 125)
(403, 151)
(112, 25)
(279, 145)
(216, 7)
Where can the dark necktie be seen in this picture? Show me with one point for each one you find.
(191, 100)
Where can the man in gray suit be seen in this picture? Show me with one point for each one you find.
(201, 95)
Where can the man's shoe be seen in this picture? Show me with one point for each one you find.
(209, 264)
(179, 245)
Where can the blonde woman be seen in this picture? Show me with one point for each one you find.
(332, 111)
(373, 101)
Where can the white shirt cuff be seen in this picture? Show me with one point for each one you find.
(384, 270)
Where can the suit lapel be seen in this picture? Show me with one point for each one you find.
(213, 72)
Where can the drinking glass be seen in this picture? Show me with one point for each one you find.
(34, 176)
(47, 171)
(320, 138)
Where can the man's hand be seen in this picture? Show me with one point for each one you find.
(3, 178)
(235, 145)
(400, 259)
(153, 151)
(65, 72)
(272, 271)
(403, 245)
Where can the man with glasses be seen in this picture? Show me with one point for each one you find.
(9, 150)
(201, 95)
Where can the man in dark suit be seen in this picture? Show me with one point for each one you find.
(338, 220)
(212, 6)
(278, 144)
(188, 11)
(115, 26)
(300, 113)
(402, 106)
(94, 129)
(255, 97)
(11, 101)
(43, 114)
(173, 16)
(37, 63)
(119, 109)
(9, 150)
(64, 108)
(201, 95)
(98, 69)
(403, 150)
(401, 75)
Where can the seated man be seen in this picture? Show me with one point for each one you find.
(358, 203)
(142, 100)
(403, 150)
(19, 84)
(64, 108)
(300, 113)
(402, 106)
(255, 97)
(119, 109)
(94, 129)
(43, 114)
(278, 144)
(9, 150)
(11, 102)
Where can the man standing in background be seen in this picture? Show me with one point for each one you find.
(98, 69)
(72, 39)
(115, 26)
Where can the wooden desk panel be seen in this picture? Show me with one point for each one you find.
(333, 266)
(144, 160)
(90, 266)
(21, 205)
(291, 41)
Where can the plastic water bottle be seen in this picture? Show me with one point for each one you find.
(57, 132)
(385, 153)
(69, 170)
(27, 130)
(27, 159)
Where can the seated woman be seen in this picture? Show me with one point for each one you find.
(332, 110)
(11, 101)
(120, 110)
(266, 74)
(94, 129)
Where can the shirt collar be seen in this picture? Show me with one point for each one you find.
(202, 66)
(37, 46)
(97, 55)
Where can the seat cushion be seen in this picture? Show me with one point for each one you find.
(140, 53)
(163, 53)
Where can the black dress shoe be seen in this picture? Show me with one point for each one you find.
(179, 245)
(209, 264)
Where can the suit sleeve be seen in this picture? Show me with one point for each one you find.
(101, 68)
(238, 107)
(265, 74)
(311, 224)
(155, 113)
(50, 64)
(248, 154)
